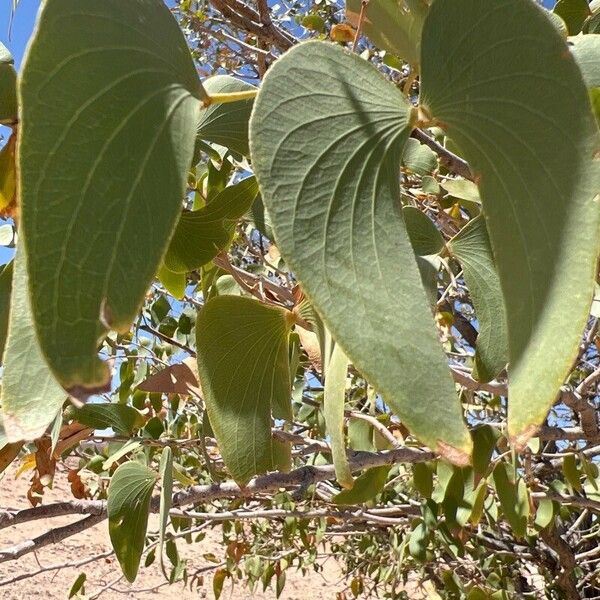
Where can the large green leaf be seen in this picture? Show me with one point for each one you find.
(201, 234)
(243, 364)
(502, 83)
(334, 206)
(334, 400)
(226, 124)
(365, 488)
(129, 494)
(31, 397)
(8, 87)
(110, 103)
(471, 246)
(392, 25)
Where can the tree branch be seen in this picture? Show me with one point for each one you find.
(451, 161)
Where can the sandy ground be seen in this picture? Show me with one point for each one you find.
(55, 585)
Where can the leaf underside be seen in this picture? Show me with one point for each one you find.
(336, 215)
(109, 98)
(502, 82)
(243, 364)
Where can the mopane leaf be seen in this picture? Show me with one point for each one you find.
(503, 84)
(425, 237)
(122, 419)
(166, 491)
(110, 103)
(31, 397)
(418, 158)
(242, 348)
(174, 283)
(392, 25)
(334, 399)
(586, 50)
(513, 496)
(8, 87)
(471, 246)
(201, 234)
(129, 494)
(337, 220)
(226, 124)
(365, 488)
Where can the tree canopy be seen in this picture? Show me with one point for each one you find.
(322, 275)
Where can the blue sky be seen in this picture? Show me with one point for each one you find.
(24, 21)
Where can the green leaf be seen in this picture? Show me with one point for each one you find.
(166, 475)
(334, 399)
(471, 246)
(6, 278)
(517, 107)
(174, 283)
(337, 221)
(513, 498)
(573, 13)
(392, 25)
(8, 87)
(463, 189)
(129, 494)
(418, 158)
(227, 123)
(201, 234)
(423, 479)
(365, 488)
(97, 216)
(78, 585)
(31, 397)
(242, 348)
(571, 472)
(424, 236)
(544, 515)
(484, 442)
(418, 542)
(122, 419)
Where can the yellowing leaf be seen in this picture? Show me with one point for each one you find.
(341, 32)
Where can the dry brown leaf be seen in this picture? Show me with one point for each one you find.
(71, 435)
(8, 453)
(342, 32)
(310, 343)
(78, 488)
(180, 378)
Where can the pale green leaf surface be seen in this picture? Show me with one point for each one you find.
(226, 124)
(166, 491)
(31, 397)
(338, 223)
(463, 189)
(334, 399)
(513, 496)
(174, 283)
(511, 96)
(586, 50)
(471, 246)
(243, 365)
(392, 25)
(425, 237)
(109, 105)
(418, 158)
(122, 419)
(201, 234)
(129, 494)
